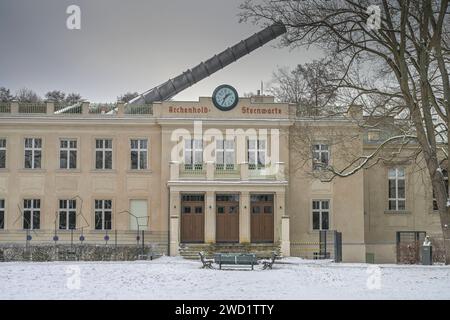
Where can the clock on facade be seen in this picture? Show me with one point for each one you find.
(225, 97)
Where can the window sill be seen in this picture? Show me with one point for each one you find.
(68, 171)
(137, 171)
(4, 170)
(32, 171)
(397, 212)
(114, 171)
(311, 231)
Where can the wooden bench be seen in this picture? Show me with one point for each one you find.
(238, 259)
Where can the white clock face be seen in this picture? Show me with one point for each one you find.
(225, 97)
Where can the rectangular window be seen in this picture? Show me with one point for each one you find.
(2, 213)
(321, 214)
(193, 152)
(103, 214)
(67, 214)
(225, 152)
(397, 199)
(321, 156)
(2, 153)
(139, 215)
(31, 214)
(445, 173)
(33, 153)
(68, 154)
(257, 150)
(138, 154)
(103, 154)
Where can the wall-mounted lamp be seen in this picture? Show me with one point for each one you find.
(210, 207)
(175, 206)
(281, 207)
(245, 207)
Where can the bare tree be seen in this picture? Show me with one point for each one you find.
(73, 98)
(397, 69)
(127, 96)
(5, 95)
(56, 96)
(306, 86)
(27, 95)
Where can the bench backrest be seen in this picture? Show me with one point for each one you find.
(235, 258)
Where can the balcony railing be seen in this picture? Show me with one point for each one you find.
(227, 170)
(211, 171)
(84, 109)
(64, 108)
(192, 170)
(5, 107)
(139, 109)
(30, 108)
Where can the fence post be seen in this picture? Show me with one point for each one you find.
(322, 244)
(143, 243)
(337, 246)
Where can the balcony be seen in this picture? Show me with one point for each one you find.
(192, 170)
(211, 171)
(82, 109)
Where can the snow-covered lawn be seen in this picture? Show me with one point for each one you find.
(176, 278)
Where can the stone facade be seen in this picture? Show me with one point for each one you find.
(357, 206)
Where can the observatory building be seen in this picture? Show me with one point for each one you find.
(220, 173)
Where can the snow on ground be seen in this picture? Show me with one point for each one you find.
(176, 278)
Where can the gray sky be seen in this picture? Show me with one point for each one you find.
(129, 45)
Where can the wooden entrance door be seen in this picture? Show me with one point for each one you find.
(192, 218)
(227, 218)
(261, 211)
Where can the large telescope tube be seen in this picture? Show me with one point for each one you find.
(191, 76)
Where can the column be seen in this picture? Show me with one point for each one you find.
(120, 108)
(244, 217)
(50, 107)
(210, 217)
(14, 107)
(85, 107)
(210, 167)
(174, 212)
(244, 171)
(281, 231)
(285, 241)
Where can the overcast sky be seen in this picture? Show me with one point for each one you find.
(130, 45)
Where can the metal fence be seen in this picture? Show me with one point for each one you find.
(78, 244)
(326, 245)
(5, 107)
(409, 246)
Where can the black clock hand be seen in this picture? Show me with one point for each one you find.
(225, 98)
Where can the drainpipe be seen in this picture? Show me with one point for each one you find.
(168, 221)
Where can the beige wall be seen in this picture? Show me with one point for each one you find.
(381, 224)
(345, 194)
(358, 203)
(51, 183)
